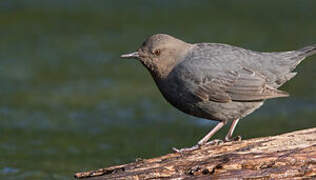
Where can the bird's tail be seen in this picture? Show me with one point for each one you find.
(307, 51)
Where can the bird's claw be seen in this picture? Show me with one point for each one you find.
(237, 138)
(215, 142)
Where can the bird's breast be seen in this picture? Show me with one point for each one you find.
(177, 94)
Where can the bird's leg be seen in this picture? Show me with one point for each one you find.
(229, 136)
(211, 133)
(203, 140)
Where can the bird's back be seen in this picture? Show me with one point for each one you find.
(210, 59)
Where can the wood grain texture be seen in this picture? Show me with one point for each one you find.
(287, 156)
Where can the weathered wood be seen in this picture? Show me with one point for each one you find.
(287, 156)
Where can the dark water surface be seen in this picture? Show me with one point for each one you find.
(69, 103)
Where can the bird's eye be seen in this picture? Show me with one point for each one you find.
(157, 52)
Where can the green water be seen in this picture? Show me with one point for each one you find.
(69, 103)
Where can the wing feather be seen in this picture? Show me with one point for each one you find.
(238, 86)
(224, 73)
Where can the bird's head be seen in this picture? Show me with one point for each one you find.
(160, 53)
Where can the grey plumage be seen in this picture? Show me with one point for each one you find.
(217, 81)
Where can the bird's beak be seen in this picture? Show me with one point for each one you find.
(130, 55)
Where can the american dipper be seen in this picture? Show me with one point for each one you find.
(216, 81)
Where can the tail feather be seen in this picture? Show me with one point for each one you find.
(307, 51)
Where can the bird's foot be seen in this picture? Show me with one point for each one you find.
(198, 146)
(230, 139)
(215, 142)
(186, 149)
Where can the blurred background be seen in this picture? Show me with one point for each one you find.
(69, 103)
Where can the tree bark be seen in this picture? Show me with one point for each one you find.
(287, 156)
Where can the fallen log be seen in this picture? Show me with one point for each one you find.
(287, 156)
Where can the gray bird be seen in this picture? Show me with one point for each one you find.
(216, 81)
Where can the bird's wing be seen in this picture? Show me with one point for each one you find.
(219, 72)
(242, 85)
